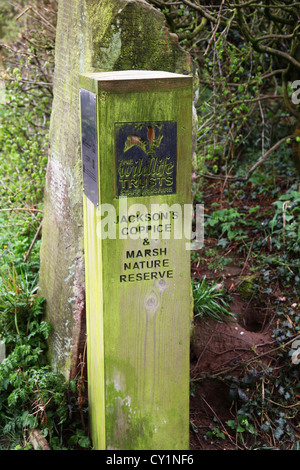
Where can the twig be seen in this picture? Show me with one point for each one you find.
(20, 209)
(38, 14)
(246, 261)
(283, 406)
(205, 12)
(263, 127)
(41, 406)
(261, 48)
(33, 242)
(7, 47)
(24, 80)
(215, 30)
(223, 427)
(80, 385)
(204, 349)
(281, 346)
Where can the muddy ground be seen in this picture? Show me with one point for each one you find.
(218, 349)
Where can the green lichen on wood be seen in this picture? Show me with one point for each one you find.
(143, 369)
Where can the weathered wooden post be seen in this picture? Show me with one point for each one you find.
(136, 153)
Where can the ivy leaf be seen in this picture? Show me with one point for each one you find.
(84, 442)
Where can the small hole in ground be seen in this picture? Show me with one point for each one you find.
(253, 319)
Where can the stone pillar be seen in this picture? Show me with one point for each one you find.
(92, 36)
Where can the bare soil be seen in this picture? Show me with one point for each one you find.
(218, 349)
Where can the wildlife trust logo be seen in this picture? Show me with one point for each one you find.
(149, 146)
(295, 353)
(146, 158)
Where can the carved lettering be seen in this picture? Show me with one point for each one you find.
(144, 266)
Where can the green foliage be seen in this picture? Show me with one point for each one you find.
(278, 237)
(210, 300)
(263, 396)
(20, 309)
(285, 225)
(23, 143)
(215, 433)
(80, 438)
(34, 396)
(31, 393)
(263, 391)
(227, 222)
(26, 106)
(241, 425)
(227, 106)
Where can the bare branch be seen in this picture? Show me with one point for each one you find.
(261, 48)
(37, 14)
(253, 168)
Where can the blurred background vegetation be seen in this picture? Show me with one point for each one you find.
(27, 63)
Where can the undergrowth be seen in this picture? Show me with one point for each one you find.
(209, 300)
(257, 225)
(32, 394)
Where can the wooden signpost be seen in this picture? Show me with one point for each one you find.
(136, 157)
